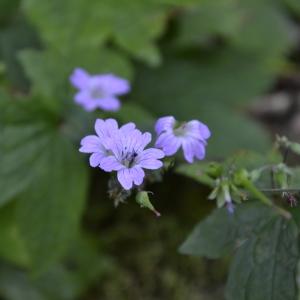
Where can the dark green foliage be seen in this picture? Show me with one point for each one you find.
(205, 59)
(266, 246)
(55, 210)
(265, 265)
(222, 232)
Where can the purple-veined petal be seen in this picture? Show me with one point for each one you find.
(111, 125)
(109, 103)
(132, 140)
(110, 163)
(100, 128)
(188, 151)
(165, 124)
(199, 150)
(106, 128)
(96, 158)
(125, 179)
(169, 143)
(143, 141)
(127, 127)
(137, 174)
(193, 148)
(151, 153)
(151, 164)
(90, 144)
(79, 78)
(197, 130)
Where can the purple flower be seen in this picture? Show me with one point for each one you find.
(191, 136)
(129, 157)
(122, 150)
(98, 145)
(98, 91)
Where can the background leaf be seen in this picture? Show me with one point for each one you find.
(220, 233)
(264, 267)
(49, 212)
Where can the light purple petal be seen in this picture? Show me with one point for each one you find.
(197, 130)
(143, 141)
(165, 124)
(193, 148)
(79, 78)
(204, 130)
(100, 128)
(90, 144)
(132, 141)
(110, 163)
(168, 143)
(111, 125)
(150, 153)
(199, 150)
(106, 128)
(113, 85)
(188, 151)
(126, 128)
(137, 174)
(96, 158)
(83, 98)
(151, 164)
(125, 179)
(109, 103)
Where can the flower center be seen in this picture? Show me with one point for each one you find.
(97, 93)
(180, 130)
(128, 158)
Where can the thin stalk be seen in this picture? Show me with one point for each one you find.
(264, 199)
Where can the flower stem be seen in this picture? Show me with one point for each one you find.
(264, 199)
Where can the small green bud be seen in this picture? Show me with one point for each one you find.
(142, 198)
(214, 170)
(241, 177)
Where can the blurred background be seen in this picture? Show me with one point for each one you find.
(233, 64)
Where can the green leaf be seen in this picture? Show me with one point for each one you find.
(264, 267)
(14, 38)
(11, 245)
(8, 9)
(265, 29)
(199, 24)
(58, 283)
(222, 232)
(44, 172)
(48, 213)
(78, 24)
(294, 6)
(22, 145)
(255, 26)
(15, 285)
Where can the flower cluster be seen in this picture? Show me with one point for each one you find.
(123, 150)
